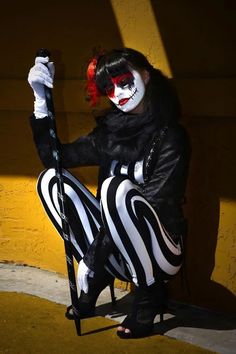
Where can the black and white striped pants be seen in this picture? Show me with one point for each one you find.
(146, 253)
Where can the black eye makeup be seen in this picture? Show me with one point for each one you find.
(129, 81)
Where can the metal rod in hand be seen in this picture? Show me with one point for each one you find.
(62, 201)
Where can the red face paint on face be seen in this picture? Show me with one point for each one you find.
(120, 81)
(126, 90)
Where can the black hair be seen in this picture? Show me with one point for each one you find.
(116, 62)
(161, 96)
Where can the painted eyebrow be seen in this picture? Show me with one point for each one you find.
(117, 79)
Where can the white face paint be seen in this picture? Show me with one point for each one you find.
(128, 91)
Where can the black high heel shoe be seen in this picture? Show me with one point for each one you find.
(87, 302)
(148, 302)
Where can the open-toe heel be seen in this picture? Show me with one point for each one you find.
(148, 302)
(87, 301)
(69, 313)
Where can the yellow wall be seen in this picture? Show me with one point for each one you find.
(192, 43)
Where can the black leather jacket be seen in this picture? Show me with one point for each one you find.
(165, 165)
(164, 154)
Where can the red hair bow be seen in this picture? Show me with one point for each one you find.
(92, 89)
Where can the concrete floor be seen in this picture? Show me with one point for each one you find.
(206, 329)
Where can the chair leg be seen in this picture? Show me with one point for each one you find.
(113, 298)
(161, 317)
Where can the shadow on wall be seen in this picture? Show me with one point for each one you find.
(198, 39)
(212, 178)
(71, 30)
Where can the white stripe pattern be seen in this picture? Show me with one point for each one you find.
(120, 201)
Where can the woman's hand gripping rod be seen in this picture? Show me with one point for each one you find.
(62, 200)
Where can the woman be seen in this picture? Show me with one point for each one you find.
(136, 232)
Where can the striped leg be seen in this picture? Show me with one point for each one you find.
(135, 228)
(83, 209)
(83, 212)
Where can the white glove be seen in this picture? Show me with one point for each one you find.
(83, 273)
(40, 75)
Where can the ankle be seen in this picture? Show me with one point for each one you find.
(148, 302)
(155, 293)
